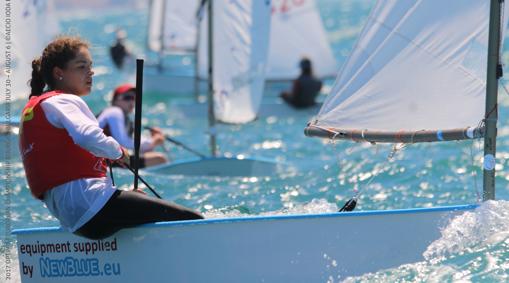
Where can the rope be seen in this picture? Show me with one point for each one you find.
(413, 135)
(333, 141)
(111, 172)
(491, 111)
(138, 176)
(327, 130)
(395, 149)
(358, 192)
(504, 87)
(397, 136)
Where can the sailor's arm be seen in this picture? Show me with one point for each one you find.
(115, 120)
(71, 113)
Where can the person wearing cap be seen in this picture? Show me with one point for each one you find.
(115, 122)
(305, 88)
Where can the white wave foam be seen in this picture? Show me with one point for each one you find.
(473, 247)
(485, 226)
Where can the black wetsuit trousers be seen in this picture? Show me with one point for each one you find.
(128, 209)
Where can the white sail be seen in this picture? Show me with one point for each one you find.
(240, 49)
(172, 25)
(202, 52)
(297, 31)
(155, 25)
(32, 27)
(418, 65)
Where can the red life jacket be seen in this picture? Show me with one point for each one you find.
(50, 156)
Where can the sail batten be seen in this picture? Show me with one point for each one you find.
(417, 65)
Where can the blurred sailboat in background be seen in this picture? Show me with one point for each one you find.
(29, 28)
(26, 30)
(173, 26)
(176, 27)
(238, 50)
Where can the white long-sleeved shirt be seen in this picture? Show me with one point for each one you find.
(76, 202)
(113, 117)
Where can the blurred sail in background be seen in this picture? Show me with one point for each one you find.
(33, 25)
(172, 26)
(296, 31)
(240, 49)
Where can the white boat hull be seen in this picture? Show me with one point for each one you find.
(218, 166)
(301, 248)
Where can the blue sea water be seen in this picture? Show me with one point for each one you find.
(324, 175)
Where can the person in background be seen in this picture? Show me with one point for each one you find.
(63, 150)
(115, 122)
(305, 88)
(118, 51)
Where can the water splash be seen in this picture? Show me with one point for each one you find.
(487, 226)
(474, 247)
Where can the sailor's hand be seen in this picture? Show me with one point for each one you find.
(155, 130)
(124, 160)
(157, 139)
(157, 136)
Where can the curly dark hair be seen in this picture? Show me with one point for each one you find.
(57, 54)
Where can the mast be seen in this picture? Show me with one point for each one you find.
(212, 117)
(137, 119)
(196, 63)
(160, 56)
(199, 18)
(491, 115)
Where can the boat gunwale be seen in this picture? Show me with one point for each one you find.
(452, 208)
